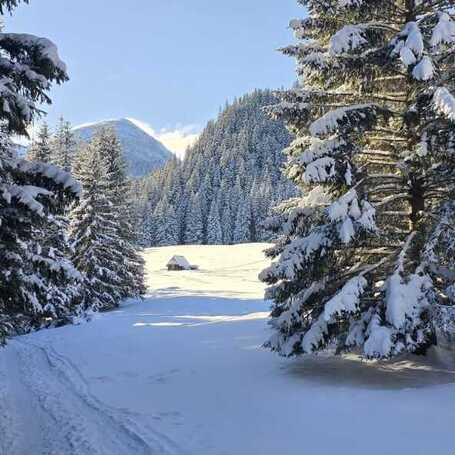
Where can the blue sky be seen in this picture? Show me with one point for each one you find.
(170, 63)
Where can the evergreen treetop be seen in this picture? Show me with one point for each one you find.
(40, 149)
(63, 146)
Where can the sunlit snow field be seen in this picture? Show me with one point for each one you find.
(183, 372)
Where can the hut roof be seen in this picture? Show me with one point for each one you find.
(180, 261)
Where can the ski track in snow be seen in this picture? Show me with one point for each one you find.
(69, 418)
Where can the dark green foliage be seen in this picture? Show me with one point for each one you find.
(237, 157)
(103, 238)
(38, 284)
(362, 264)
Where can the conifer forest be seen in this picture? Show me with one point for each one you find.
(266, 265)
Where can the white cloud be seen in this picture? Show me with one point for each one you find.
(177, 140)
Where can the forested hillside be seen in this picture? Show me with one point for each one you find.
(224, 189)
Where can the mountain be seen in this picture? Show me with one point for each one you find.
(225, 188)
(143, 152)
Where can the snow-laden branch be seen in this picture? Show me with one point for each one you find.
(444, 103)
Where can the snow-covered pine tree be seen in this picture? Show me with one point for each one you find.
(214, 232)
(94, 233)
(360, 266)
(131, 268)
(39, 284)
(261, 205)
(63, 146)
(40, 149)
(148, 228)
(167, 229)
(31, 194)
(242, 231)
(227, 219)
(53, 237)
(194, 232)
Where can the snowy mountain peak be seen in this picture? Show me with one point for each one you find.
(143, 152)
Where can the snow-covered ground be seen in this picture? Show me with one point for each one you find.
(183, 373)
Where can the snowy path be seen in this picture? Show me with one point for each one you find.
(182, 373)
(65, 417)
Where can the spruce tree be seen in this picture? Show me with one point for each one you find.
(167, 229)
(32, 275)
(94, 233)
(63, 146)
(242, 231)
(362, 264)
(194, 233)
(226, 224)
(39, 284)
(40, 149)
(52, 237)
(131, 269)
(214, 231)
(149, 229)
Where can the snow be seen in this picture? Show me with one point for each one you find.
(379, 342)
(320, 170)
(330, 122)
(51, 172)
(82, 126)
(348, 38)
(424, 71)
(406, 298)
(26, 194)
(414, 40)
(347, 300)
(315, 335)
(183, 373)
(47, 48)
(410, 46)
(407, 56)
(444, 102)
(444, 32)
(314, 198)
(346, 210)
(297, 254)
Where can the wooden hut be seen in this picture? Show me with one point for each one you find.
(178, 263)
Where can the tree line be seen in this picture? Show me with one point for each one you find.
(224, 189)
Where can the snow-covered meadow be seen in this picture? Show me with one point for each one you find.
(183, 372)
